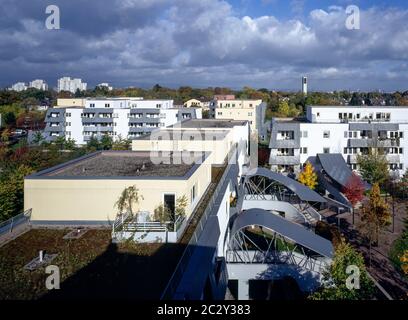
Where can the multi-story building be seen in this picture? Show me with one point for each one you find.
(115, 117)
(252, 111)
(38, 84)
(105, 85)
(19, 86)
(345, 130)
(71, 85)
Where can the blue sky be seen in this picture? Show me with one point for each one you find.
(285, 9)
(233, 43)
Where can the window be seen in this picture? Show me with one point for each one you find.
(303, 150)
(250, 114)
(305, 134)
(326, 134)
(318, 114)
(326, 150)
(219, 113)
(193, 193)
(340, 116)
(92, 105)
(169, 200)
(68, 115)
(345, 134)
(107, 105)
(345, 151)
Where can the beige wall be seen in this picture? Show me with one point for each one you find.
(218, 148)
(193, 103)
(93, 200)
(238, 110)
(70, 102)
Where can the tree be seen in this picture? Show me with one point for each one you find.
(162, 214)
(354, 190)
(12, 190)
(121, 144)
(308, 176)
(404, 262)
(336, 277)
(283, 108)
(129, 198)
(93, 144)
(10, 119)
(106, 142)
(373, 167)
(38, 138)
(374, 216)
(181, 205)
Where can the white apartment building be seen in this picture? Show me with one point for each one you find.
(71, 85)
(38, 84)
(345, 130)
(115, 117)
(105, 85)
(19, 86)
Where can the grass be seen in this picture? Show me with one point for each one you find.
(90, 267)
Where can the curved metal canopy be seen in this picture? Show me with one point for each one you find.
(287, 229)
(304, 193)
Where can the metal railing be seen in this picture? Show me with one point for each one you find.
(183, 262)
(9, 225)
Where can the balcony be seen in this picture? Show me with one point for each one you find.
(373, 143)
(284, 160)
(96, 120)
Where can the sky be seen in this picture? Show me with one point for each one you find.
(259, 43)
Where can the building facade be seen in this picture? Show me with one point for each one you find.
(252, 111)
(19, 86)
(304, 85)
(39, 85)
(71, 85)
(115, 117)
(338, 129)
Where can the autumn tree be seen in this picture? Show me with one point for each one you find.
(375, 215)
(354, 190)
(308, 176)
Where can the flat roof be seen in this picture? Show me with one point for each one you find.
(126, 165)
(184, 134)
(209, 123)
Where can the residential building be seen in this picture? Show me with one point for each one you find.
(200, 103)
(224, 97)
(84, 191)
(345, 130)
(19, 86)
(105, 85)
(38, 84)
(70, 102)
(116, 117)
(71, 85)
(200, 135)
(252, 111)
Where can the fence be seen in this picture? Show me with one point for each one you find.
(182, 264)
(9, 225)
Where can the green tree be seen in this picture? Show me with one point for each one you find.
(38, 138)
(373, 167)
(162, 214)
(93, 144)
(9, 119)
(128, 199)
(283, 108)
(335, 277)
(181, 205)
(106, 142)
(12, 191)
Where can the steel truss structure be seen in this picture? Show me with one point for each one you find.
(277, 250)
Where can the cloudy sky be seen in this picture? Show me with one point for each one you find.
(259, 43)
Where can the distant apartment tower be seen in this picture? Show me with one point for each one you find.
(104, 85)
(304, 85)
(19, 86)
(38, 84)
(116, 117)
(71, 85)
